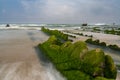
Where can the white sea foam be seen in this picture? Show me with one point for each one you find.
(38, 26)
(21, 26)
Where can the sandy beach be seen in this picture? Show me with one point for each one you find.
(19, 58)
(108, 38)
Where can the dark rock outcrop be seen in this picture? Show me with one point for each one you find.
(7, 25)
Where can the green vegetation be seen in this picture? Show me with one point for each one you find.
(71, 36)
(110, 71)
(81, 34)
(95, 29)
(112, 32)
(57, 33)
(114, 47)
(118, 66)
(75, 62)
(96, 42)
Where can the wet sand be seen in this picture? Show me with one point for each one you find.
(108, 38)
(118, 76)
(19, 58)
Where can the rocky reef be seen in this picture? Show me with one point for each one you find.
(76, 62)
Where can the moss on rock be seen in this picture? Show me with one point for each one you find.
(79, 49)
(110, 69)
(75, 62)
(96, 59)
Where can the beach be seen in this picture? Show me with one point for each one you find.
(108, 38)
(19, 58)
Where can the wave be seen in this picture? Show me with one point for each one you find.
(17, 27)
(21, 26)
(38, 26)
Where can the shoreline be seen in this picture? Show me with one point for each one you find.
(13, 59)
(19, 59)
(84, 38)
(108, 38)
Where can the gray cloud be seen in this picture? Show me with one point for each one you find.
(72, 11)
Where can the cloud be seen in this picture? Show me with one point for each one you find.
(70, 11)
(49, 8)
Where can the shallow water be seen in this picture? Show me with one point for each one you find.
(19, 58)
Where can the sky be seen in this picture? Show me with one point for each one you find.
(60, 11)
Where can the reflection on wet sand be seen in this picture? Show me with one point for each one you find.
(18, 57)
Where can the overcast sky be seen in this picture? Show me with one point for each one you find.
(60, 11)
